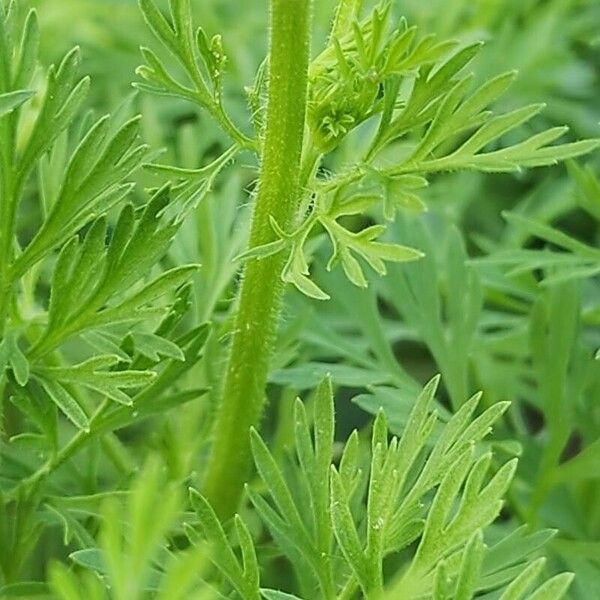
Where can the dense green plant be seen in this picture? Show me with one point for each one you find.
(318, 517)
(359, 75)
(100, 294)
(103, 310)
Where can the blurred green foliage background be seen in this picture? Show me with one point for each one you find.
(533, 342)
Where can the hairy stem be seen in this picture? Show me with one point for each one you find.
(259, 300)
(234, 133)
(7, 215)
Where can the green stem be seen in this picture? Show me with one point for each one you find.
(259, 299)
(7, 216)
(58, 459)
(349, 590)
(242, 140)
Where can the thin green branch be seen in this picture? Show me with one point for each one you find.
(8, 200)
